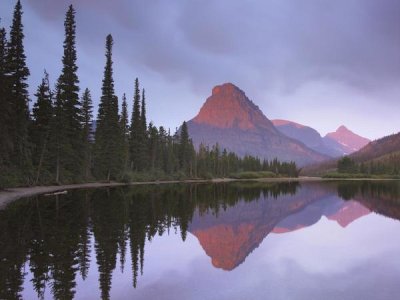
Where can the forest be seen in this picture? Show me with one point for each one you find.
(59, 140)
(387, 166)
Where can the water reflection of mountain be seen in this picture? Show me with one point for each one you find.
(51, 238)
(229, 238)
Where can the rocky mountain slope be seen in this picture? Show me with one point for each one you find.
(230, 119)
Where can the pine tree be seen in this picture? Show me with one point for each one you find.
(87, 116)
(124, 124)
(108, 161)
(42, 114)
(5, 111)
(136, 125)
(17, 93)
(144, 136)
(143, 113)
(153, 147)
(184, 148)
(68, 108)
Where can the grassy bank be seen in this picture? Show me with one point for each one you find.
(337, 175)
(253, 175)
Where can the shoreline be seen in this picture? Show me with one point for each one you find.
(9, 195)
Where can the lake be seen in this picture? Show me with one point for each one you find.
(308, 240)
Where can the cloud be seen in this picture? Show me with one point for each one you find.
(262, 46)
(282, 41)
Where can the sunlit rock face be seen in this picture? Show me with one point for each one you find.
(230, 119)
(345, 140)
(229, 107)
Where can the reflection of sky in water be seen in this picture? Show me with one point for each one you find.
(307, 245)
(324, 261)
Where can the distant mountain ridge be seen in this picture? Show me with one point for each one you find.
(386, 149)
(307, 135)
(230, 119)
(334, 144)
(378, 148)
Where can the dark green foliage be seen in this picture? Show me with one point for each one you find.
(214, 163)
(69, 149)
(138, 133)
(42, 115)
(185, 150)
(108, 155)
(87, 117)
(388, 165)
(6, 141)
(124, 124)
(346, 165)
(143, 113)
(143, 149)
(17, 91)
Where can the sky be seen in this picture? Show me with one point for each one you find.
(320, 63)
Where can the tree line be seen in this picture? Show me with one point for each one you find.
(387, 165)
(60, 141)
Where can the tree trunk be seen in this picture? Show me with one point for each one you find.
(41, 161)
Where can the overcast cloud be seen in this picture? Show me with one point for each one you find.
(322, 63)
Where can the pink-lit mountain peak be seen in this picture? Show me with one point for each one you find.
(349, 141)
(229, 107)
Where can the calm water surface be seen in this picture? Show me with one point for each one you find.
(336, 240)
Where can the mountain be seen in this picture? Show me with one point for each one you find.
(385, 151)
(379, 149)
(345, 141)
(230, 119)
(308, 136)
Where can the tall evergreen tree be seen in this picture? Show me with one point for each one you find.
(108, 160)
(143, 113)
(70, 150)
(42, 114)
(144, 143)
(153, 147)
(124, 124)
(184, 148)
(136, 125)
(18, 73)
(5, 111)
(87, 119)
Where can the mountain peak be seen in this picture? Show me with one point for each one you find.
(228, 117)
(343, 128)
(229, 107)
(226, 88)
(348, 140)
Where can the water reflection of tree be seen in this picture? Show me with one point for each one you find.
(382, 197)
(53, 235)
